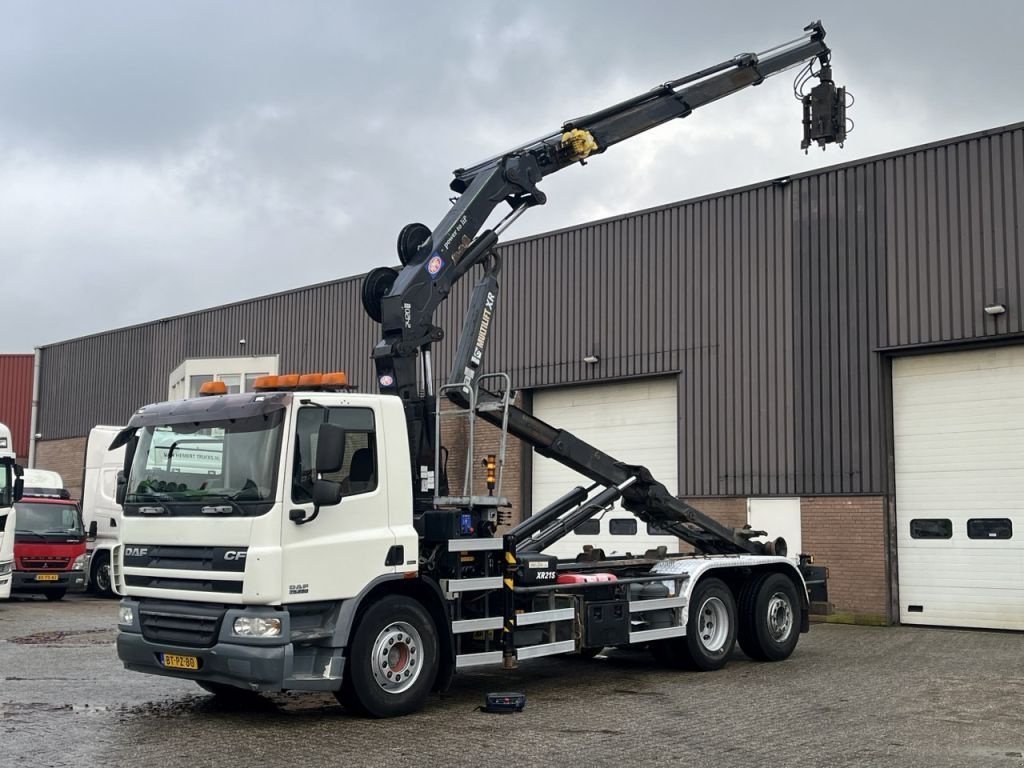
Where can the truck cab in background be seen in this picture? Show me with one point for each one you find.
(10, 491)
(101, 514)
(49, 539)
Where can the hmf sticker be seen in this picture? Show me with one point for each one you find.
(434, 265)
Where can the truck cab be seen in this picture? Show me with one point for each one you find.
(229, 546)
(49, 538)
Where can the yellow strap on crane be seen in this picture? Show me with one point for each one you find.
(582, 142)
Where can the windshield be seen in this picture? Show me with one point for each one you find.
(43, 519)
(232, 460)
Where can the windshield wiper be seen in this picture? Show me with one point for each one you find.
(163, 509)
(219, 510)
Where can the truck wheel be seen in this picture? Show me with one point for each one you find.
(710, 631)
(55, 594)
(393, 659)
(769, 617)
(99, 578)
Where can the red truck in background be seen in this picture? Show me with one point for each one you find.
(49, 538)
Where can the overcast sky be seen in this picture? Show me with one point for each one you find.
(159, 157)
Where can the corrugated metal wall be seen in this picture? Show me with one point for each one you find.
(16, 398)
(771, 302)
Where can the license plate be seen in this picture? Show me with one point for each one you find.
(47, 577)
(174, 661)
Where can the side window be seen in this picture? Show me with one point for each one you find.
(653, 529)
(936, 528)
(989, 528)
(588, 528)
(622, 527)
(358, 473)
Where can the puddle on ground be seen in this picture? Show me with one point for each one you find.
(68, 638)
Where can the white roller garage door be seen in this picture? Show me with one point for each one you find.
(959, 440)
(634, 421)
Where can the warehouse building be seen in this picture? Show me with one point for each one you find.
(835, 356)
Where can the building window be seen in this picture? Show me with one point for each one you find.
(935, 528)
(989, 528)
(622, 527)
(233, 382)
(358, 473)
(195, 382)
(653, 529)
(588, 528)
(250, 381)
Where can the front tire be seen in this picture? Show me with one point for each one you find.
(393, 659)
(99, 577)
(769, 617)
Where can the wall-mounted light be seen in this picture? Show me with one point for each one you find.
(241, 341)
(591, 359)
(995, 309)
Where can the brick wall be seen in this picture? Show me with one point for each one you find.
(66, 457)
(487, 439)
(731, 512)
(847, 534)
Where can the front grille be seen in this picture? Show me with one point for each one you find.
(196, 585)
(192, 626)
(185, 558)
(45, 563)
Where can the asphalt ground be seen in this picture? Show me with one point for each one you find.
(849, 696)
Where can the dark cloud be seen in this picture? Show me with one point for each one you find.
(160, 157)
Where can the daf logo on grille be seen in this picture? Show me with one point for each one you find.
(136, 551)
(234, 555)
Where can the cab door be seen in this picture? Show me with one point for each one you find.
(341, 549)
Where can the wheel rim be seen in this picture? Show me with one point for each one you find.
(713, 627)
(780, 617)
(397, 657)
(103, 578)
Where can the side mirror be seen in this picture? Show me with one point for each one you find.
(326, 493)
(330, 448)
(19, 489)
(122, 490)
(93, 529)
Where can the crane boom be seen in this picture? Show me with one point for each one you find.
(403, 302)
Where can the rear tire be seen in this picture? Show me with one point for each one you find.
(53, 595)
(769, 617)
(393, 659)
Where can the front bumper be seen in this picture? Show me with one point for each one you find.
(68, 581)
(258, 664)
(246, 666)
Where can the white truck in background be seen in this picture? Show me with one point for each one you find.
(10, 485)
(101, 514)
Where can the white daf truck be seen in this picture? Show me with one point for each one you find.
(325, 547)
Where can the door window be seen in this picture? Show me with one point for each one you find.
(358, 473)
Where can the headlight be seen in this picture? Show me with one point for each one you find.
(6, 568)
(257, 626)
(125, 615)
(79, 563)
